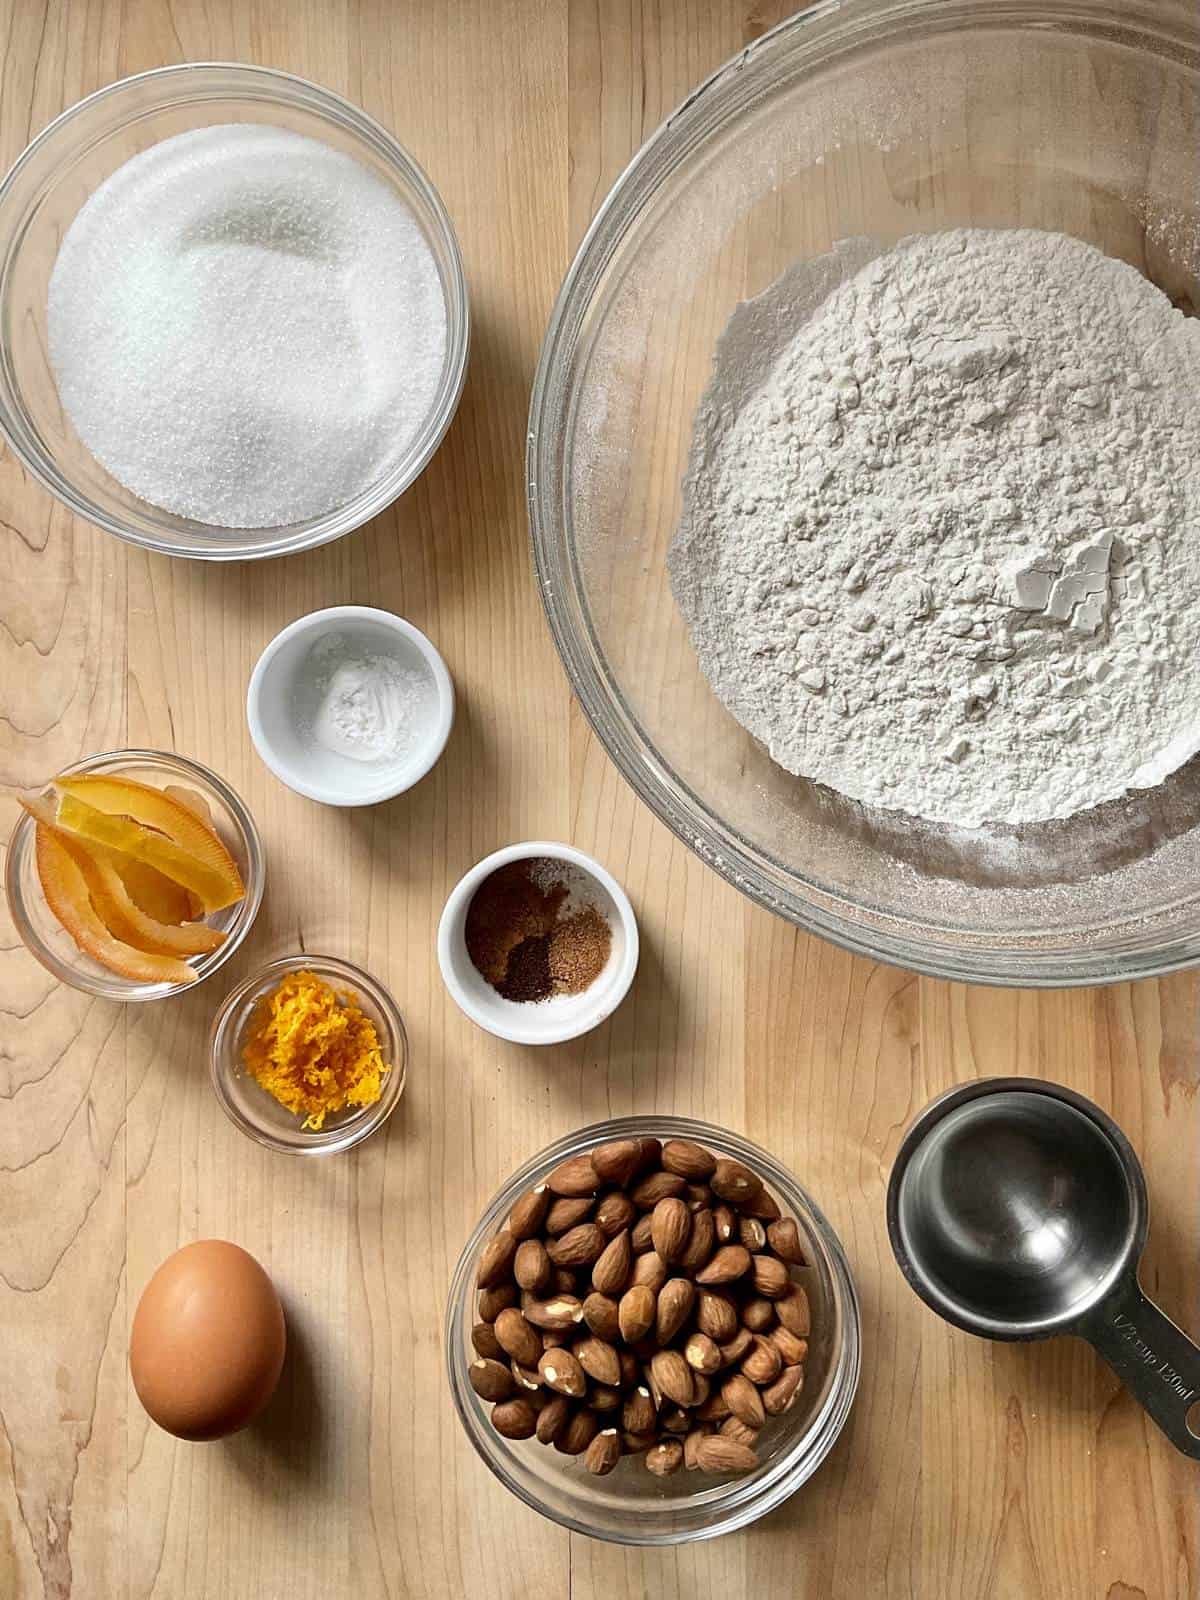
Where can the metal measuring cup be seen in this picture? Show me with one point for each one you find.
(1017, 1210)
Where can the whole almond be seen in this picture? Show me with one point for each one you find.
(527, 1378)
(603, 1453)
(733, 1182)
(611, 1272)
(744, 1400)
(493, 1301)
(518, 1338)
(794, 1350)
(762, 1364)
(529, 1212)
(735, 1349)
(730, 1262)
(515, 1419)
(792, 1310)
(780, 1396)
(701, 1353)
(762, 1206)
(758, 1315)
(673, 1377)
(691, 1442)
(714, 1409)
(690, 1161)
(770, 1277)
(675, 1420)
(636, 1444)
(582, 1427)
(567, 1213)
(665, 1458)
(650, 1270)
(532, 1266)
(701, 1387)
(491, 1380)
(631, 1367)
(638, 1414)
(636, 1314)
(574, 1177)
(670, 1225)
(716, 1316)
(483, 1337)
(675, 1301)
(598, 1359)
(656, 1186)
(495, 1264)
(552, 1419)
(734, 1428)
(578, 1247)
(725, 1223)
(650, 1154)
(600, 1314)
(641, 1237)
(716, 1452)
(561, 1372)
(752, 1234)
(615, 1211)
(702, 1240)
(617, 1161)
(603, 1398)
(784, 1238)
(555, 1315)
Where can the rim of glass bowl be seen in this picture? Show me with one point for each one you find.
(110, 986)
(743, 1500)
(197, 82)
(787, 52)
(222, 1056)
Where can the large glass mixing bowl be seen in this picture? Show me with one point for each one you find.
(878, 119)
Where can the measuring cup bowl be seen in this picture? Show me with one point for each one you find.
(1017, 1209)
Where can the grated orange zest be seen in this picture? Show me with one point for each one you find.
(314, 1049)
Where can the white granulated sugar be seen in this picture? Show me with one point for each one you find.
(943, 554)
(247, 327)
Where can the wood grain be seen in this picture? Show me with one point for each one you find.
(968, 1470)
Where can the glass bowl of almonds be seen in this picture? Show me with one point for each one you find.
(652, 1334)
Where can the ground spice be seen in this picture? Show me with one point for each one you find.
(314, 1049)
(526, 938)
(579, 950)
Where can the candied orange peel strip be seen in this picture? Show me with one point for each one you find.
(152, 827)
(66, 891)
(112, 903)
(150, 890)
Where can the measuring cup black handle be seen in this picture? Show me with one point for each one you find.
(1155, 1360)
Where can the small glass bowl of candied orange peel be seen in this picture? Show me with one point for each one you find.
(134, 875)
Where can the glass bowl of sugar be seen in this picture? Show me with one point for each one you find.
(350, 706)
(233, 315)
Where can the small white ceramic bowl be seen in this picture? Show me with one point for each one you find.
(563, 1016)
(282, 698)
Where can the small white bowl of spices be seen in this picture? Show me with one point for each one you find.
(350, 706)
(538, 943)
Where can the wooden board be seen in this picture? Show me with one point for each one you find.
(967, 1470)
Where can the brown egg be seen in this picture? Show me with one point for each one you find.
(208, 1341)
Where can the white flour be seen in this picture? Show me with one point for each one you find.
(946, 557)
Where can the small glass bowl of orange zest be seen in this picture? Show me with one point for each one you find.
(134, 875)
(254, 1108)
